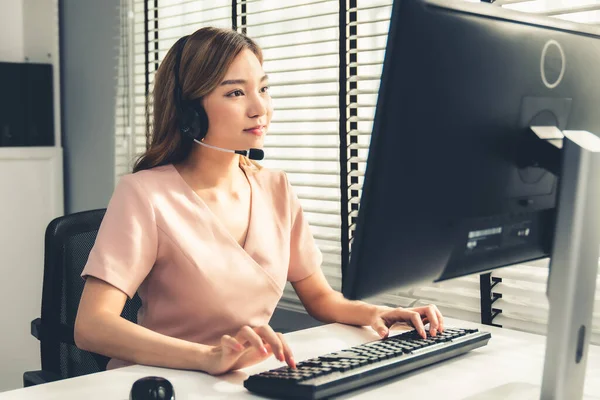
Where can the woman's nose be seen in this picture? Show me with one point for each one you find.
(258, 107)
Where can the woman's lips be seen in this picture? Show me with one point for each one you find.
(256, 131)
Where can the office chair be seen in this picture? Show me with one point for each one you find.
(68, 242)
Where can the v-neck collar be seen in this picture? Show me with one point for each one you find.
(192, 193)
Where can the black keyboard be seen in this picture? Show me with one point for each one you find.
(349, 369)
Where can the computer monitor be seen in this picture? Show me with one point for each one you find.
(447, 191)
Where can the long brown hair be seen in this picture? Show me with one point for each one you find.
(205, 58)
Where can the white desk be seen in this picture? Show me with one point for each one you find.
(510, 366)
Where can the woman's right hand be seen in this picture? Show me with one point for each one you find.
(248, 347)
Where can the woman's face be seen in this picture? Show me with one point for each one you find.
(239, 110)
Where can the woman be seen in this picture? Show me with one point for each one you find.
(207, 237)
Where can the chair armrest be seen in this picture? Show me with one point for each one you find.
(36, 328)
(32, 378)
(61, 333)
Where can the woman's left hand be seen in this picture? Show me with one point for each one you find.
(385, 317)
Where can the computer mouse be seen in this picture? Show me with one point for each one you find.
(152, 388)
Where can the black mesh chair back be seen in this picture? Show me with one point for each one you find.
(68, 243)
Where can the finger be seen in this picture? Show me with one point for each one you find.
(287, 351)
(415, 319)
(380, 327)
(440, 318)
(409, 316)
(247, 334)
(269, 336)
(232, 343)
(433, 320)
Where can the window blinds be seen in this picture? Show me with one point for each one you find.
(521, 289)
(123, 120)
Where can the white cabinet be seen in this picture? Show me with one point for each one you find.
(31, 195)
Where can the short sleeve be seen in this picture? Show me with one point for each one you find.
(126, 246)
(305, 256)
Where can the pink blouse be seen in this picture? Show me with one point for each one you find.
(196, 282)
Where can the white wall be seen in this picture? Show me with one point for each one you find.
(31, 179)
(11, 30)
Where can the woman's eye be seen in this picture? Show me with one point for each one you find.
(236, 93)
(265, 89)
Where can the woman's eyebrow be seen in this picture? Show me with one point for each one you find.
(241, 81)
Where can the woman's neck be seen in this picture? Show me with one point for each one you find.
(206, 168)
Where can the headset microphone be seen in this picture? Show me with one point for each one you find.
(253, 154)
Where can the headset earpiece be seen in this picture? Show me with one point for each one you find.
(193, 121)
(191, 117)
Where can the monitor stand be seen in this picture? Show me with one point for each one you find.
(573, 262)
